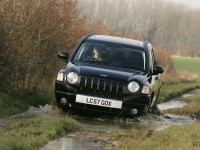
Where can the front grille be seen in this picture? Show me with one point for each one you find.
(101, 87)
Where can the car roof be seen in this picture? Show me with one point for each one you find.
(114, 39)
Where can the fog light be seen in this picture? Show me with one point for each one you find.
(70, 105)
(134, 111)
(63, 101)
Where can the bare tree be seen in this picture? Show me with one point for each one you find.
(175, 27)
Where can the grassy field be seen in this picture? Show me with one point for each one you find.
(188, 64)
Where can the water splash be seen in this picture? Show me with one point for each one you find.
(41, 111)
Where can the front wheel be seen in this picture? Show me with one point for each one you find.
(155, 102)
(146, 110)
(154, 109)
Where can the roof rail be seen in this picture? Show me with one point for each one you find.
(87, 36)
(145, 44)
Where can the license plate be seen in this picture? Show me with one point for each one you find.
(104, 102)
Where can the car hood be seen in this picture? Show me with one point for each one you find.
(106, 72)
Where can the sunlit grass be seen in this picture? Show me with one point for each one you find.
(33, 133)
(188, 64)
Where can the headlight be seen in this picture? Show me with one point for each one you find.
(72, 77)
(133, 87)
(60, 77)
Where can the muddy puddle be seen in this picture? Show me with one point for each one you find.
(105, 124)
(75, 143)
(149, 122)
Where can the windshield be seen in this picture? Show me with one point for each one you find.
(111, 54)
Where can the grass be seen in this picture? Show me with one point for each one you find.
(169, 91)
(185, 137)
(188, 64)
(16, 102)
(33, 133)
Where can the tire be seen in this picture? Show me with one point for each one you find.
(155, 102)
(154, 108)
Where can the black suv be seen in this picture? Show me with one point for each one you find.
(109, 74)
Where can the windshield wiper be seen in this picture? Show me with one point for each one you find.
(132, 67)
(100, 62)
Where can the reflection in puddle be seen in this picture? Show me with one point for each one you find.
(74, 143)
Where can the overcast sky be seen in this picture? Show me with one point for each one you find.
(191, 3)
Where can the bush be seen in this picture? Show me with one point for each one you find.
(35, 31)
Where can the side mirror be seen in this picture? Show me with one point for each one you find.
(63, 55)
(158, 69)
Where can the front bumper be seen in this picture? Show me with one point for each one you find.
(129, 101)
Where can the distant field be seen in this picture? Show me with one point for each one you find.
(188, 64)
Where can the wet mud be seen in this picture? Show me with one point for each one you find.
(75, 143)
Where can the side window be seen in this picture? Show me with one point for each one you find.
(80, 52)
